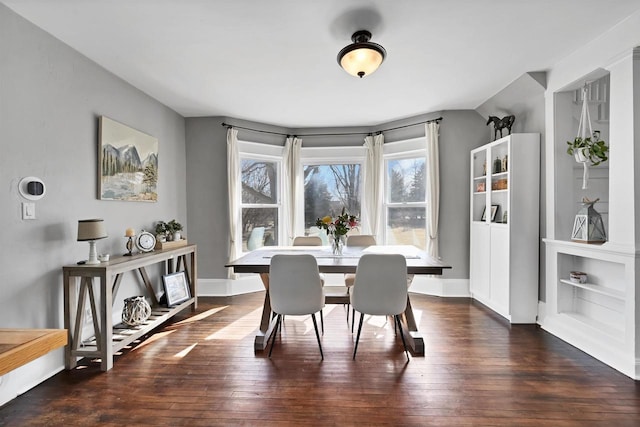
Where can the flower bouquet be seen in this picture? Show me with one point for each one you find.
(337, 229)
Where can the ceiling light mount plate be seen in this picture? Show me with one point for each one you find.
(362, 57)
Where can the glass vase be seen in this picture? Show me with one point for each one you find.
(337, 244)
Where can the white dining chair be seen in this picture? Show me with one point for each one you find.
(380, 289)
(256, 238)
(307, 241)
(311, 241)
(357, 241)
(295, 289)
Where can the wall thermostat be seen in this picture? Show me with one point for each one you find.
(32, 188)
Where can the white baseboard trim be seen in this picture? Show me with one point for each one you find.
(437, 286)
(251, 283)
(542, 312)
(229, 287)
(594, 343)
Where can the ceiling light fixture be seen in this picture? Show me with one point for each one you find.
(362, 57)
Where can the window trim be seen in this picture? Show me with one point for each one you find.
(326, 156)
(268, 153)
(406, 149)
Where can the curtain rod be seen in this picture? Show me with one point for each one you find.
(332, 134)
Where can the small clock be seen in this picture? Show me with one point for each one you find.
(145, 241)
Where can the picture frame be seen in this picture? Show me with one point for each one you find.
(494, 213)
(176, 288)
(127, 163)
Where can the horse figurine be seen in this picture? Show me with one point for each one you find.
(499, 124)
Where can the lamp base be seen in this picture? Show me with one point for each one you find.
(93, 254)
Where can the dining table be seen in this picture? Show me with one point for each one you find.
(259, 260)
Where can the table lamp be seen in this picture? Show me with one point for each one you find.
(90, 230)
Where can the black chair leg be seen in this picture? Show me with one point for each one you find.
(275, 332)
(402, 336)
(315, 326)
(358, 336)
(322, 321)
(353, 318)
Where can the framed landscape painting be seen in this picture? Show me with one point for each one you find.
(127, 163)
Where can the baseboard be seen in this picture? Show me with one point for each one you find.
(595, 344)
(228, 287)
(437, 286)
(26, 377)
(542, 312)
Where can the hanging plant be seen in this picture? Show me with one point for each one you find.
(587, 147)
(591, 149)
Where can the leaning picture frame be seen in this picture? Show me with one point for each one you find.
(494, 213)
(176, 288)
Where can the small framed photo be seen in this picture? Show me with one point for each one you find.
(176, 288)
(494, 213)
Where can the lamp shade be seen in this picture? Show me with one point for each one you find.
(91, 229)
(362, 57)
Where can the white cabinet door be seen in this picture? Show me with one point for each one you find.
(479, 262)
(499, 275)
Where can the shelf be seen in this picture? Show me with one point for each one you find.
(124, 335)
(109, 339)
(480, 178)
(596, 289)
(506, 190)
(604, 328)
(499, 174)
(479, 192)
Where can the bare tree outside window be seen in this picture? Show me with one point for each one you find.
(328, 188)
(259, 203)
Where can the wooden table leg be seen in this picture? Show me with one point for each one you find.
(70, 312)
(415, 341)
(106, 324)
(267, 322)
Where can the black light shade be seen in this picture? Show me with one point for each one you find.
(362, 57)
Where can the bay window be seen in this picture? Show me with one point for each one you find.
(405, 207)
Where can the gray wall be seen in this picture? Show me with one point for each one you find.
(524, 98)
(50, 99)
(460, 131)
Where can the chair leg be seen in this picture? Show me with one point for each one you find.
(275, 332)
(315, 326)
(358, 336)
(397, 317)
(348, 310)
(353, 317)
(322, 321)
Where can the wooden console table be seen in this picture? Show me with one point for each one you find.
(21, 346)
(109, 339)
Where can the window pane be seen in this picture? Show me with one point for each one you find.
(259, 181)
(259, 228)
(328, 189)
(407, 226)
(406, 180)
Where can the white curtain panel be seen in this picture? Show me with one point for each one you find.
(292, 183)
(373, 193)
(433, 186)
(233, 171)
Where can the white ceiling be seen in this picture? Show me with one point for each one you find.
(275, 61)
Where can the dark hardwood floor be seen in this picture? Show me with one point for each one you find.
(201, 370)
